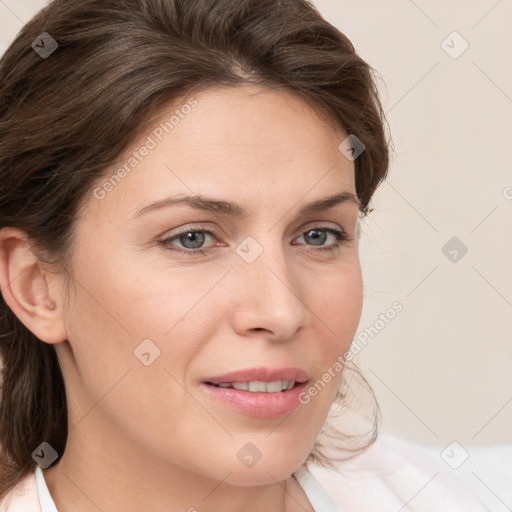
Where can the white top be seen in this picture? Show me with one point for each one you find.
(389, 476)
(45, 499)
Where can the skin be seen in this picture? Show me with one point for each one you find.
(147, 437)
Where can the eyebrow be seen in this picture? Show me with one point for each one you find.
(235, 210)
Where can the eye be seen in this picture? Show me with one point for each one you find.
(318, 235)
(192, 240)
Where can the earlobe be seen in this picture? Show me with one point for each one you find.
(26, 290)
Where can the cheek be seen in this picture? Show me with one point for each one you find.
(126, 312)
(133, 301)
(107, 324)
(337, 310)
(336, 302)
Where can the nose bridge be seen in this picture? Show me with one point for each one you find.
(269, 291)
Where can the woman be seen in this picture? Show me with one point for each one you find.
(181, 188)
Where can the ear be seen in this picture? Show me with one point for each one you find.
(25, 286)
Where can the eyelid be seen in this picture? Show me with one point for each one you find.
(320, 224)
(187, 229)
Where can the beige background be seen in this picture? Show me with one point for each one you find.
(441, 368)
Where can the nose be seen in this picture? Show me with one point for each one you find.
(268, 295)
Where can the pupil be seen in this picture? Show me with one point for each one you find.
(189, 237)
(316, 239)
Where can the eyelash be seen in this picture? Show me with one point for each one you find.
(340, 235)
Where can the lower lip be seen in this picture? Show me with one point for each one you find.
(259, 405)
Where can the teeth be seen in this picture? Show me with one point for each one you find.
(244, 386)
(256, 386)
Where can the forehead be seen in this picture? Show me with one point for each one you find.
(248, 141)
(251, 115)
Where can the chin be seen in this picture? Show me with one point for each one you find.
(251, 479)
(264, 472)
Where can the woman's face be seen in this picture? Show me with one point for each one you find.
(149, 326)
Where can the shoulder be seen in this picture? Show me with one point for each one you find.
(23, 497)
(396, 475)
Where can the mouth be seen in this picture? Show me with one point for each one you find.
(258, 392)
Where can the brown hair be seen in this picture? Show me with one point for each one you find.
(68, 116)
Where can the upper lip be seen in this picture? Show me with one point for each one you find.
(260, 374)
